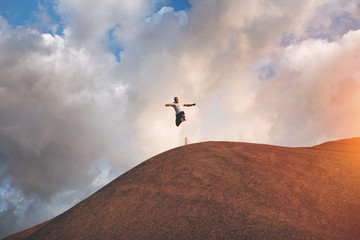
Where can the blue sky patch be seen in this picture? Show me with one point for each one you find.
(39, 14)
(113, 46)
(178, 5)
(266, 73)
(18, 12)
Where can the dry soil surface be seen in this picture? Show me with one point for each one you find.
(225, 190)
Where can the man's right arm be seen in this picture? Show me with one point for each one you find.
(169, 105)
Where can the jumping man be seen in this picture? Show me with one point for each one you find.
(178, 107)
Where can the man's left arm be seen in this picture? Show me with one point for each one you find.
(189, 105)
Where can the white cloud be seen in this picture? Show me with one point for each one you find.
(73, 117)
(87, 21)
(54, 99)
(316, 89)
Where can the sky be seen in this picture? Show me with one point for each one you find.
(83, 87)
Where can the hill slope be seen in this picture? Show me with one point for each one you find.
(225, 190)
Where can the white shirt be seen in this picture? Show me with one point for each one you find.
(178, 107)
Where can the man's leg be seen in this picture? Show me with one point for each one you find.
(178, 119)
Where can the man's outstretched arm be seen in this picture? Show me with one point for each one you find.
(169, 105)
(189, 105)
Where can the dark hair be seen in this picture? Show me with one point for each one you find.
(175, 99)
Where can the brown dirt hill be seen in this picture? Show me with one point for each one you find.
(24, 234)
(351, 145)
(225, 190)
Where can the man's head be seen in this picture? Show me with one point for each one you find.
(176, 99)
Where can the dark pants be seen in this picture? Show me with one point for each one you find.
(179, 116)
